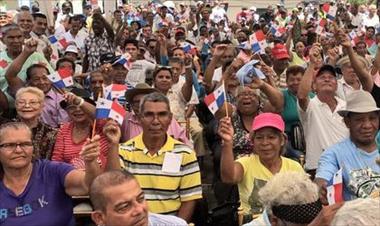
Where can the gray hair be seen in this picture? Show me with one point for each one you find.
(358, 212)
(106, 180)
(32, 90)
(288, 188)
(154, 97)
(21, 13)
(13, 125)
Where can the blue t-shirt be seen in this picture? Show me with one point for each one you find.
(43, 202)
(354, 163)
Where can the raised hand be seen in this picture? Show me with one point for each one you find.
(72, 99)
(30, 46)
(219, 50)
(333, 55)
(91, 149)
(257, 83)
(326, 215)
(315, 54)
(225, 130)
(112, 131)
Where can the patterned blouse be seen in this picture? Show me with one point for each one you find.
(95, 47)
(242, 142)
(43, 138)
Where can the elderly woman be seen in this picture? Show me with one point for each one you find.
(291, 198)
(38, 192)
(29, 105)
(248, 106)
(72, 135)
(252, 172)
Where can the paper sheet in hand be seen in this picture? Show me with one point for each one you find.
(217, 74)
(248, 71)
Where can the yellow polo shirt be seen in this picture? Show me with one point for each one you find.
(164, 191)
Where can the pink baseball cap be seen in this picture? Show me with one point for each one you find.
(268, 120)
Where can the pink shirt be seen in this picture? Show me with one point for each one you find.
(131, 128)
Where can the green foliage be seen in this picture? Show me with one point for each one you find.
(359, 2)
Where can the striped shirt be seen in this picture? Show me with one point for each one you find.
(65, 150)
(164, 191)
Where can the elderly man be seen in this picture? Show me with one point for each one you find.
(25, 22)
(357, 155)
(320, 120)
(16, 59)
(132, 127)
(166, 169)
(118, 200)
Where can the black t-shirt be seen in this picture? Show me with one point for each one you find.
(376, 94)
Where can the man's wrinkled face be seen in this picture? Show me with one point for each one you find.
(25, 22)
(363, 127)
(126, 206)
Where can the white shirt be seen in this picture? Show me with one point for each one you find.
(158, 19)
(357, 20)
(160, 219)
(322, 128)
(217, 14)
(344, 89)
(78, 39)
(178, 103)
(138, 71)
(374, 21)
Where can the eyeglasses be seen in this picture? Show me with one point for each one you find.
(32, 103)
(161, 116)
(12, 146)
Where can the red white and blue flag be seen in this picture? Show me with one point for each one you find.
(321, 26)
(330, 11)
(277, 31)
(189, 48)
(216, 99)
(115, 91)
(124, 60)
(354, 37)
(61, 78)
(61, 41)
(110, 109)
(335, 188)
(258, 42)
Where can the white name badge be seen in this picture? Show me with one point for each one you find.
(172, 163)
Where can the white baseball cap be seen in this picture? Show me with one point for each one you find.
(71, 49)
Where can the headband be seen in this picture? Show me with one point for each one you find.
(298, 214)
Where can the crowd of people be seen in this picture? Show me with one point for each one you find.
(299, 114)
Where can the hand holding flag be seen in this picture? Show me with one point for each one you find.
(335, 188)
(114, 91)
(216, 99)
(258, 42)
(110, 109)
(62, 78)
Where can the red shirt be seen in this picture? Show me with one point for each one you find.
(65, 150)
